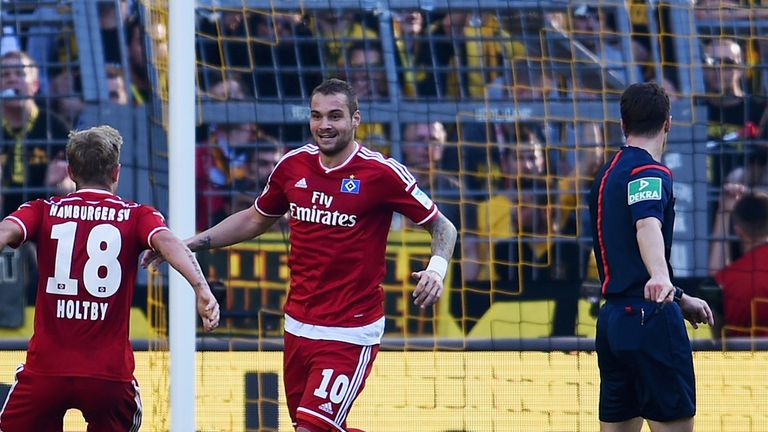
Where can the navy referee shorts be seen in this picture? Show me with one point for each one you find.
(645, 360)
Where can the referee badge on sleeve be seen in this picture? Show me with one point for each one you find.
(644, 189)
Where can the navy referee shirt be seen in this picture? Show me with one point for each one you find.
(629, 187)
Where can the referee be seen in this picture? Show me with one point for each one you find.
(643, 350)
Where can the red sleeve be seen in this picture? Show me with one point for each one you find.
(273, 201)
(29, 218)
(406, 198)
(149, 222)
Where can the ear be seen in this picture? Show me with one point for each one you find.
(740, 232)
(668, 124)
(356, 119)
(116, 174)
(71, 175)
(621, 123)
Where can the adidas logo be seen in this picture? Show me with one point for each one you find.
(327, 407)
(301, 183)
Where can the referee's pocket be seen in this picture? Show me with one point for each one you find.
(625, 329)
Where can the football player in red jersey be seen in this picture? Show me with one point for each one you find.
(88, 245)
(340, 198)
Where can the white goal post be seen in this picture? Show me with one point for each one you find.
(181, 214)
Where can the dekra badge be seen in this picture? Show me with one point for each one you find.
(644, 189)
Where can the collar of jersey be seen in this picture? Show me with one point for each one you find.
(96, 191)
(343, 164)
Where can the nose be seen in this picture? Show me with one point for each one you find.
(324, 124)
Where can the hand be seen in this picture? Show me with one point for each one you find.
(659, 290)
(57, 172)
(731, 194)
(151, 258)
(208, 308)
(696, 311)
(429, 289)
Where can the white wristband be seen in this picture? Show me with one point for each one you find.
(438, 265)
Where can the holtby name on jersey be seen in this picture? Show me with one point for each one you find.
(81, 310)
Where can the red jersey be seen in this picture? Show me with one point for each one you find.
(339, 220)
(88, 245)
(745, 280)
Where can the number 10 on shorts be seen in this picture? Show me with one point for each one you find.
(337, 390)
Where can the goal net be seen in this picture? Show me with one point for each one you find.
(504, 111)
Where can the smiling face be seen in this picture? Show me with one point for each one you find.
(331, 123)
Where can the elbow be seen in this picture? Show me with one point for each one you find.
(163, 241)
(453, 232)
(450, 234)
(447, 227)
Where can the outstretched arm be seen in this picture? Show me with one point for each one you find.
(243, 225)
(430, 285)
(10, 233)
(180, 258)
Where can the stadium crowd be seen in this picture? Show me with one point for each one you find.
(514, 185)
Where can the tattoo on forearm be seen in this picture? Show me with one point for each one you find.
(443, 237)
(201, 244)
(198, 272)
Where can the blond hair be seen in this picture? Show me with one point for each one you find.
(93, 154)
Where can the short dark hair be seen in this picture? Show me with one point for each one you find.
(751, 214)
(644, 109)
(335, 86)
